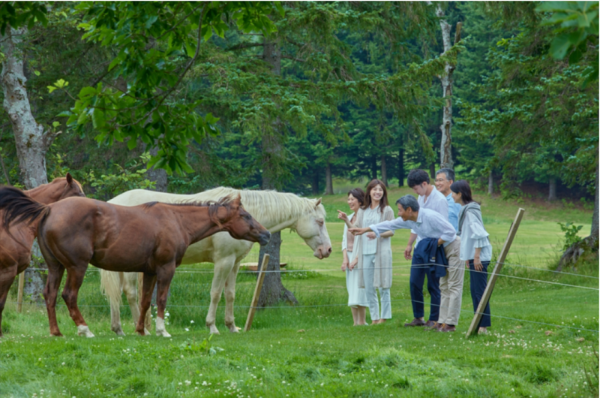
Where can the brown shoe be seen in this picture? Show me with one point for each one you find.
(415, 322)
(430, 324)
(435, 327)
(447, 328)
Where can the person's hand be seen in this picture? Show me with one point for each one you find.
(477, 263)
(342, 216)
(353, 264)
(358, 231)
(371, 235)
(407, 252)
(467, 264)
(344, 265)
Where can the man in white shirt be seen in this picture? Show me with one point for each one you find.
(443, 180)
(427, 223)
(429, 198)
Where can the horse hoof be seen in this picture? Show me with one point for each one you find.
(83, 330)
(146, 332)
(234, 329)
(119, 332)
(213, 329)
(162, 333)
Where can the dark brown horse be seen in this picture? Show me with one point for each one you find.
(150, 238)
(15, 247)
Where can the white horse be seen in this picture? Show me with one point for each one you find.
(274, 210)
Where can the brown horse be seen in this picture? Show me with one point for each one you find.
(15, 247)
(150, 238)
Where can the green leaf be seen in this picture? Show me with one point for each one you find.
(560, 45)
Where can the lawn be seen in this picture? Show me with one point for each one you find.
(312, 349)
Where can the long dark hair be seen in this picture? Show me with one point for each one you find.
(383, 203)
(358, 194)
(463, 187)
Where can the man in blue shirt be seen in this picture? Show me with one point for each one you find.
(443, 179)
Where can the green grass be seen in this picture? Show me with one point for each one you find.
(313, 350)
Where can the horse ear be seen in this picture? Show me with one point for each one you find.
(318, 202)
(237, 201)
(69, 178)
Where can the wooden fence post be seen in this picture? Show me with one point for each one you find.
(474, 328)
(20, 292)
(257, 289)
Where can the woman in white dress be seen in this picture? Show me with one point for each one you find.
(357, 299)
(372, 255)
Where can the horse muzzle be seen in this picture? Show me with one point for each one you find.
(264, 238)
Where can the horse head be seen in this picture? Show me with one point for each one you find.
(69, 185)
(311, 227)
(241, 225)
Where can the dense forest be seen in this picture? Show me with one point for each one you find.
(289, 96)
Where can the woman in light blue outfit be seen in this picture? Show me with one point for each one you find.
(372, 255)
(475, 246)
(357, 299)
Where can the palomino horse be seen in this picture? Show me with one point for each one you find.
(150, 238)
(275, 210)
(15, 247)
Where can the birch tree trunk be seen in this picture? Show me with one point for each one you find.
(446, 79)
(328, 180)
(273, 290)
(594, 231)
(32, 140)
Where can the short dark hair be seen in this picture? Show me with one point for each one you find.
(417, 177)
(359, 194)
(408, 201)
(448, 172)
(463, 187)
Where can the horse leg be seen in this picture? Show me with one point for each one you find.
(147, 288)
(164, 278)
(131, 293)
(55, 275)
(140, 280)
(74, 280)
(230, 298)
(223, 268)
(7, 276)
(115, 307)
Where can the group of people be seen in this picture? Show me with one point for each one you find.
(448, 235)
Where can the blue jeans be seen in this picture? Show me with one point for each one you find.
(478, 285)
(417, 278)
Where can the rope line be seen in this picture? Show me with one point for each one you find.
(346, 304)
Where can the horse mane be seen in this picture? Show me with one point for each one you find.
(266, 205)
(213, 206)
(18, 207)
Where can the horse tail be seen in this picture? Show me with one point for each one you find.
(18, 207)
(110, 286)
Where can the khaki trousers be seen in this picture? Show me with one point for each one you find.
(451, 285)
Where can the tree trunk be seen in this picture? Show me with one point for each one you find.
(594, 231)
(315, 183)
(401, 167)
(273, 290)
(328, 180)
(159, 176)
(552, 189)
(432, 172)
(446, 79)
(384, 171)
(490, 183)
(32, 141)
(374, 167)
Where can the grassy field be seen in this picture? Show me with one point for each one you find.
(312, 349)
